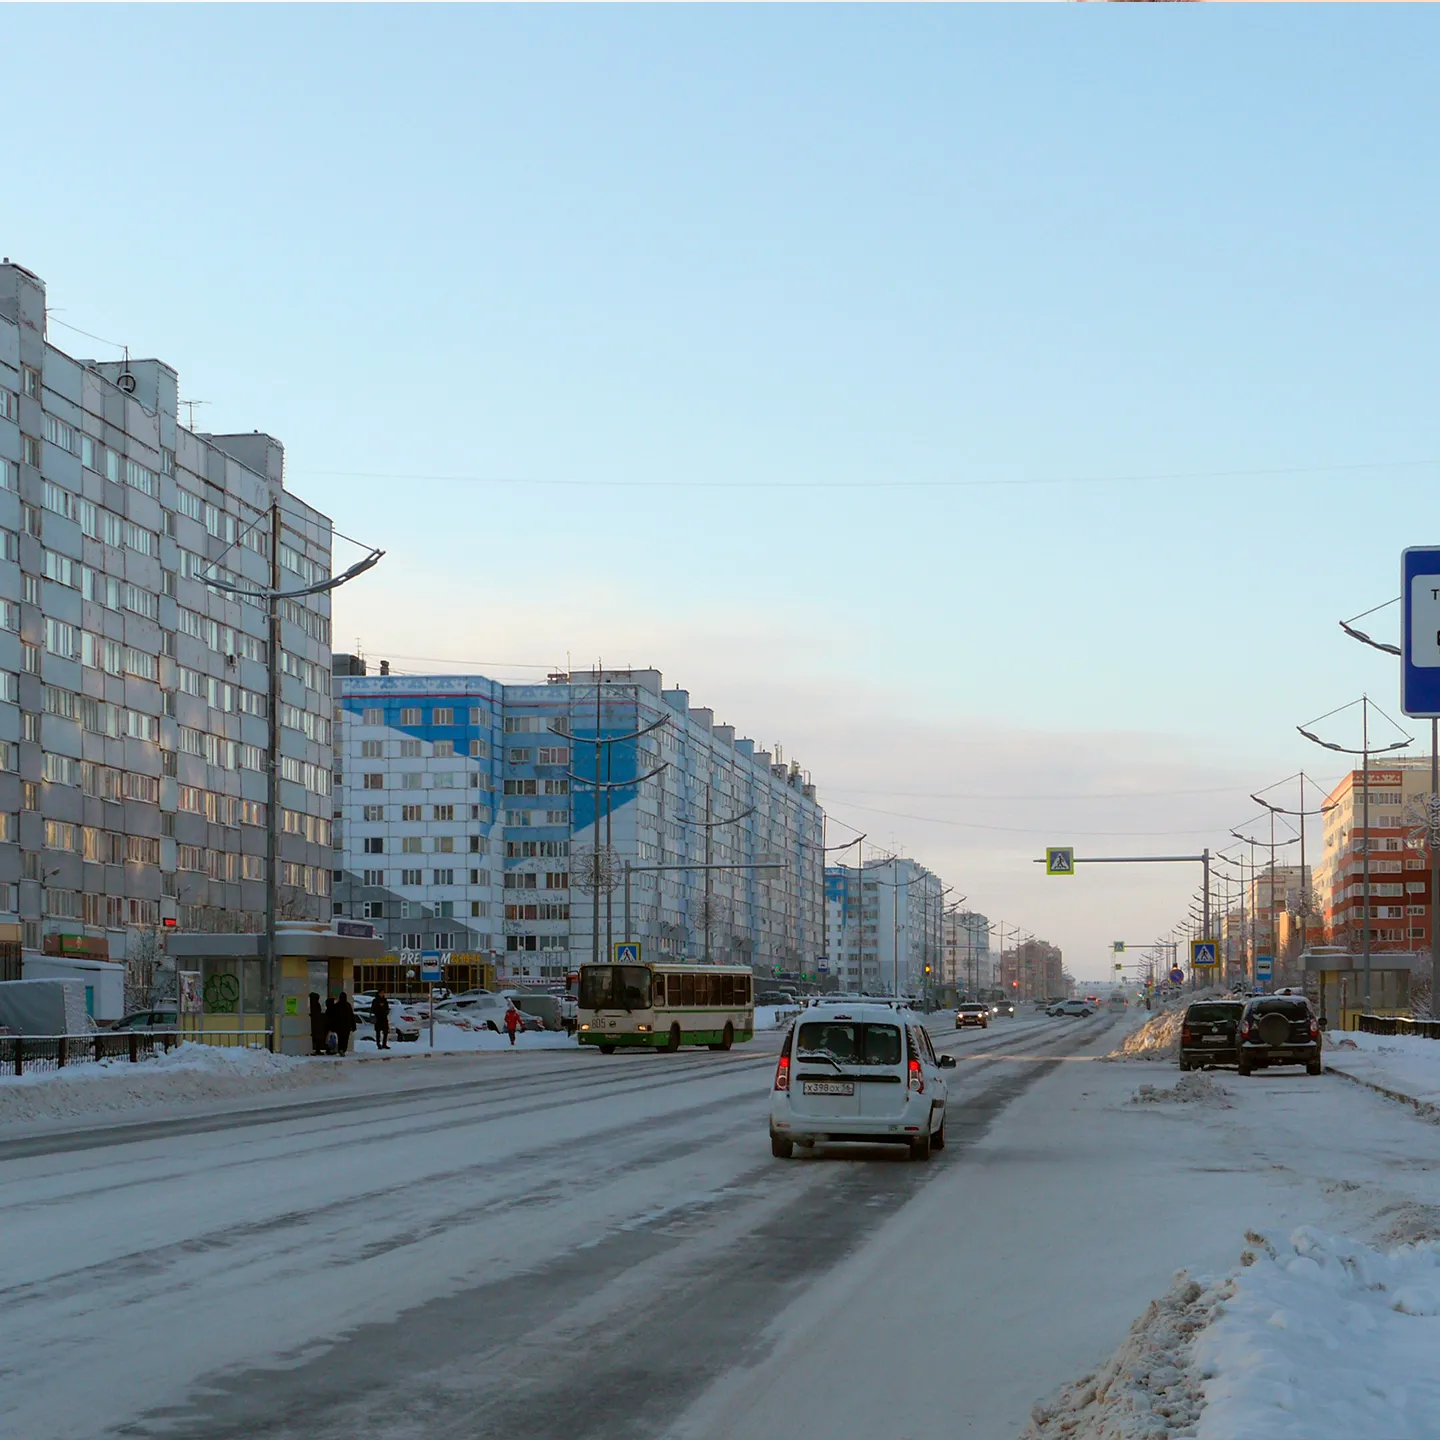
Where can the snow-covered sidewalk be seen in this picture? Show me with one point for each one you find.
(1406, 1065)
(187, 1073)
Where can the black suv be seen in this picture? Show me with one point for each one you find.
(1279, 1030)
(1208, 1034)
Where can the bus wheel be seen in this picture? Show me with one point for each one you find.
(672, 1044)
(727, 1040)
(606, 1049)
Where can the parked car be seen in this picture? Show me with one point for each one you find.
(1209, 1033)
(159, 1019)
(1076, 1009)
(1279, 1030)
(544, 1008)
(866, 1073)
(972, 1014)
(475, 1010)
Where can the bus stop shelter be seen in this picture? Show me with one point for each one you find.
(310, 956)
(1335, 985)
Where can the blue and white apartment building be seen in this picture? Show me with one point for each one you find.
(530, 839)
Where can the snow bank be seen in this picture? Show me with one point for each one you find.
(1322, 1336)
(1157, 1039)
(773, 1017)
(454, 1038)
(1406, 1064)
(188, 1072)
(1189, 1090)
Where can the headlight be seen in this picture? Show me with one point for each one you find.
(584, 1027)
(642, 1027)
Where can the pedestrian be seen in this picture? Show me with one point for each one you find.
(319, 1027)
(332, 1027)
(380, 1013)
(512, 1021)
(344, 1021)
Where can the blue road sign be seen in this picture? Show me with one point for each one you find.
(1177, 975)
(430, 972)
(627, 952)
(1203, 953)
(1420, 631)
(1263, 966)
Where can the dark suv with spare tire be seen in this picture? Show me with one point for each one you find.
(1279, 1030)
(1209, 1033)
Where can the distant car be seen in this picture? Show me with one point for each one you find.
(776, 997)
(972, 1014)
(1279, 1030)
(1208, 1033)
(1077, 1009)
(475, 1010)
(1043, 1004)
(1004, 1007)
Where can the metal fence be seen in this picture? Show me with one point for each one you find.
(20, 1054)
(1400, 1025)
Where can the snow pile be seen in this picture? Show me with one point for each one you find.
(774, 1017)
(1147, 1390)
(1157, 1039)
(1324, 1336)
(1189, 1090)
(188, 1072)
(453, 1039)
(1406, 1064)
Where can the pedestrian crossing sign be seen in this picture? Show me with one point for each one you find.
(627, 952)
(1060, 860)
(1202, 954)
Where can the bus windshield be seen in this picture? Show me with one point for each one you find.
(615, 987)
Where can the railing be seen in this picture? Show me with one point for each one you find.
(1399, 1025)
(22, 1053)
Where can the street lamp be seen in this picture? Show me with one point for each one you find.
(1302, 814)
(1365, 753)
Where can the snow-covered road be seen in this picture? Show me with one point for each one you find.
(561, 1244)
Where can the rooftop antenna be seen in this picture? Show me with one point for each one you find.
(191, 404)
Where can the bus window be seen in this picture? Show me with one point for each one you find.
(742, 989)
(727, 990)
(687, 989)
(615, 987)
(673, 985)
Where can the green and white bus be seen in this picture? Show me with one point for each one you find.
(665, 1006)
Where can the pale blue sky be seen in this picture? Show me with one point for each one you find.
(785, 248)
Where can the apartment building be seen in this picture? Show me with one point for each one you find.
(133, 692)
(1034, 970)
(886, 924)
(1400, 900)
(557, 789)
(967, 963)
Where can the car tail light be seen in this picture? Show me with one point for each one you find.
(782, 1073)
(1245, 1028)
(1314, 1029)
(917, 1077)
(1186, 1038)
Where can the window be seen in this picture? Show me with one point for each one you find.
(411, 877)
(556, 787)
(442, 715)
(557, 817)
(519, 756)
(409, 749)
(444, 940)
(371, 749)
(479, 877)
(444, 749)
(9, 405)
(30, 450)
(522, 724)
(57, 432)
(9, 475)
(142, 787)
(479, 909)
(62, 639)
(477, 845)
(10, 616)
(411, 812)
(518, 880)
(372, 812)
(59, 835)
(444, 812)
(445, 844)
(375, 845)
(479, 749)
(373, 909)
(10, 686)
(412, 845)
(375, 781)
(414, 781)
(61, 770)
(142, 850)
(554, 755)
(520, 787)
(30, 381)
(557, 879)
(444, 877)
(372, 716)
(410, 716)
(373, 877)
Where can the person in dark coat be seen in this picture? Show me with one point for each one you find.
(344, 1021)
(319, 1026)
(380, 1013)
(332, 1027)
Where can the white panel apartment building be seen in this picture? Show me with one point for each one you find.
(886, 925)
(133, 695)
(524, 842)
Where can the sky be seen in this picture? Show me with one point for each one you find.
(995, 407)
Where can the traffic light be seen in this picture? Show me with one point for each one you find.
(927, 969)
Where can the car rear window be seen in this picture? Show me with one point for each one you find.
(1219, 1011)
(848, 1042)
(1285, 1005)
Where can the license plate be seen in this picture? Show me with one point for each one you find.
(829, 1087)
(1212, 1039)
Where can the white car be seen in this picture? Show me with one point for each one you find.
(474, 1011)
(1079, 1009)
(865, 1073)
